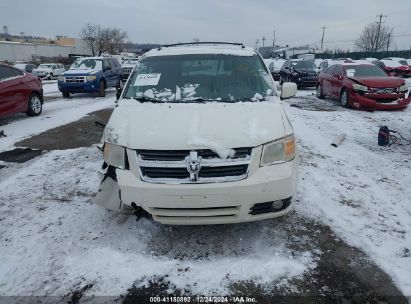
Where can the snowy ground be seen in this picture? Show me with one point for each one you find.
(54, 241)
(360, 189)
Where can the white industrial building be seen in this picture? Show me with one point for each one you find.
(22, 51)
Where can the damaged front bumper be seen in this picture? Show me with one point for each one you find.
(108, 196)
(372, 102)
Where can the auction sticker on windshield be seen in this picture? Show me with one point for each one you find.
(147, 79)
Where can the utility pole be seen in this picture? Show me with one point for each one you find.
(272, 53)
(263, 39)
(388, 41)
(322, 38)
(256, 45)
(380, 16)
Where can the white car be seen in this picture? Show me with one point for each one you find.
(200, 136)
(49, 70)
(275, 67)
(127, 66)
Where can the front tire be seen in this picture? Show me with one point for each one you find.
(319, 91)
(35, 105)
(66, 94)
(102, 90)
(344, 99)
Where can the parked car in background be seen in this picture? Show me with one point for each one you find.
(318, 62)
(49, 70)
(300, 71)
(91, 75)
(369, 59)
(363, 86)
(19, 92)
(200, 163)
(127, 66)
(26, 67)
(394, 67)
(329, 62)
(275, 67)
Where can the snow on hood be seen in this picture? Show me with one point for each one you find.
(80, 71)
(128, 65)
(219, 127)
(42, 69)
(379, 82)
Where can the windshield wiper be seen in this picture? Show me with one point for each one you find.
(148, 99)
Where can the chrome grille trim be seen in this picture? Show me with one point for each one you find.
(213, 168)
(75, 79)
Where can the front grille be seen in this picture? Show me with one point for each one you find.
(171, 166)
(75, 79)
(384, 90)
(176, 155)
(308, 75)
(205, 172)
(127, 70)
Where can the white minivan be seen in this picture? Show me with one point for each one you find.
(199, 136)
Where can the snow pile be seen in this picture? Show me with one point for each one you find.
(53, 238)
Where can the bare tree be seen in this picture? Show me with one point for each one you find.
(374, 38)
(101, 40)
(89, 33)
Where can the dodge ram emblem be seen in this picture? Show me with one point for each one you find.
(193, 165)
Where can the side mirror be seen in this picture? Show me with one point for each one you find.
(289, 89)
(107, 68)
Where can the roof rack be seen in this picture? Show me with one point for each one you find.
(197, 43)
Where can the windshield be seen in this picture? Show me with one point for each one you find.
(303, 64)
(87, 64)
(364, 71)
(200, 78)
(45, 66)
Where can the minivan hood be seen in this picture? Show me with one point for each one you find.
(379, 82)
(184, 126)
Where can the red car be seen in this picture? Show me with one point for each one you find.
(394, 67)
(363, 86)
(19, 92)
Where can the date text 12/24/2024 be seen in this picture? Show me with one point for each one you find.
(201, 299)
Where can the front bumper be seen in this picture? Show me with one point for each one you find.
(374, 101)
(210, 203)
(305, 81)
(81, 87)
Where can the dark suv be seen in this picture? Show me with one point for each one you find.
(302, 72)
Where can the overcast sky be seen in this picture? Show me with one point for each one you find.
(297, 22)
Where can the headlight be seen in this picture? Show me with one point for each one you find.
(279, 151)
(403, 88)
(115, 155)
(359, 87)
(91, 78)
(60, 78)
